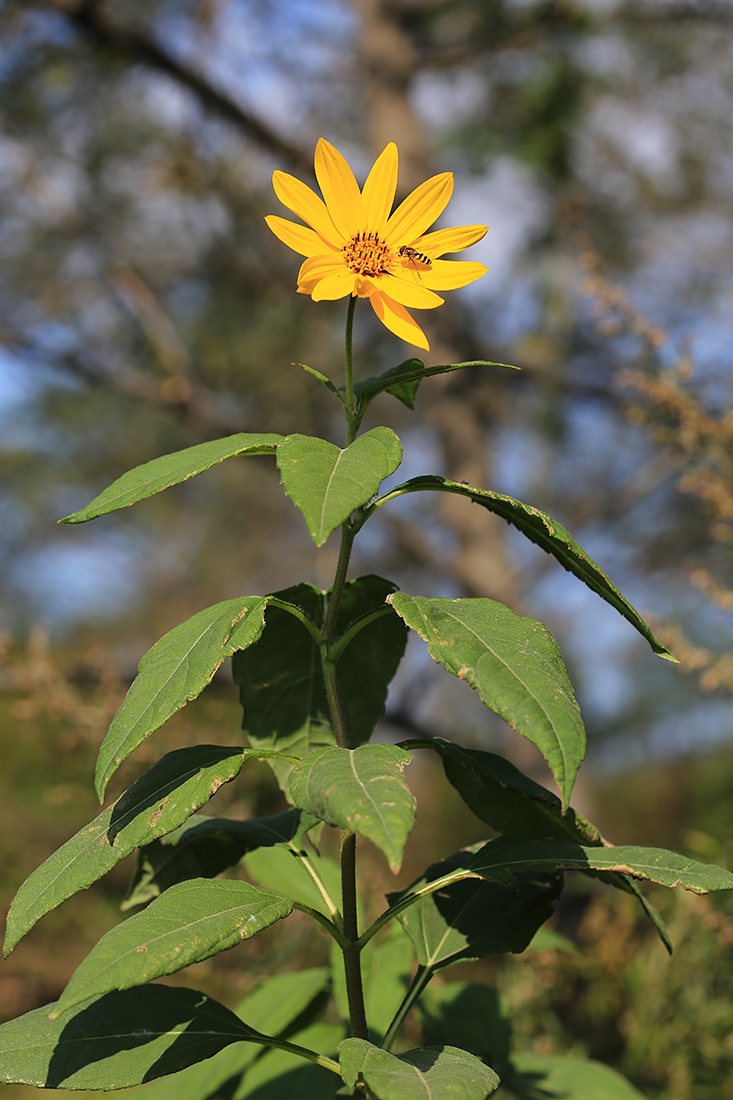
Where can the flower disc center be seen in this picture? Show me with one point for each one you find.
(366, 254)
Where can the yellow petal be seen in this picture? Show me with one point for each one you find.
(420, 209)
(396, 318)
(340, 190)
(316, 268)
(379, 189)
(409, 293)
(306, 204)
(449, 240)
(298, 237)
(451, 274)
(334, 286)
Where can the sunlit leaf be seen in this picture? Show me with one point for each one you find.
(270, 1008)
(327, 483)
(433, 1073)
(161, 800)
(550, 535)
(515, 665)
(152, 477)
(403, 380)
(174, 671)
(362, 790)
(117, 1040)
(503, 859)
(188, 923)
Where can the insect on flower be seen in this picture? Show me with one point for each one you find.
(355, 244)
(416, 257)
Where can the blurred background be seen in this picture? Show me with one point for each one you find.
(145, 307)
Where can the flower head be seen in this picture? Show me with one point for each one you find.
(354, 245)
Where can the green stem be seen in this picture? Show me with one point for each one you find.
(329, 623)
(293, 1048)
(417, 985)
(351, 424)
(352, 953)
(338, 647)
(320, 885)
(410, 899)
(299, 615)
(323, 920)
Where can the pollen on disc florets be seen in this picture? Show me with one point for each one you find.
(366, 254)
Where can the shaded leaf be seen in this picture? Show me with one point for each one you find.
(471, 919)
(174, 671)
(152, 477)
(402, 381)
(471, 1014)
(296, 876)
(180, 783)
(188, 923)
(362, 790)
(432, 1073)
(327, 484)
(503, 859)
(510, 802)
(547, 533)
(270, 1008)
(505, 798)
(278, 1075)
(546, 1077)
(516, 667)
(118, 1040)
(206, 846)
(280, 679)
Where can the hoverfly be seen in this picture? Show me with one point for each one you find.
(414, 257)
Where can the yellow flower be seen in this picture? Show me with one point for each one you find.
(355, 246)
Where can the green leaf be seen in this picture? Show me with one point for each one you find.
(190, 922)
(271, 1008)
(297, 876)
(547, 533)
(433, 1073)
(327, 484)
(362, 790)
(503, 859)
(280, 679)
(179, 784)
(118, 1040)
(516, 667)
(566, 1077)
(510, 802)
(505, 798)
(152, 477)
(472, 919)
(206, 846)
(323, 379)
(402, 381)
(174, 671)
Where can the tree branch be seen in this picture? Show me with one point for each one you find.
(137, 47)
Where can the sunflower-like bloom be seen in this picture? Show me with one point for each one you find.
(354, 245)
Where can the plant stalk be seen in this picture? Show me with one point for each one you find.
(352, 954)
